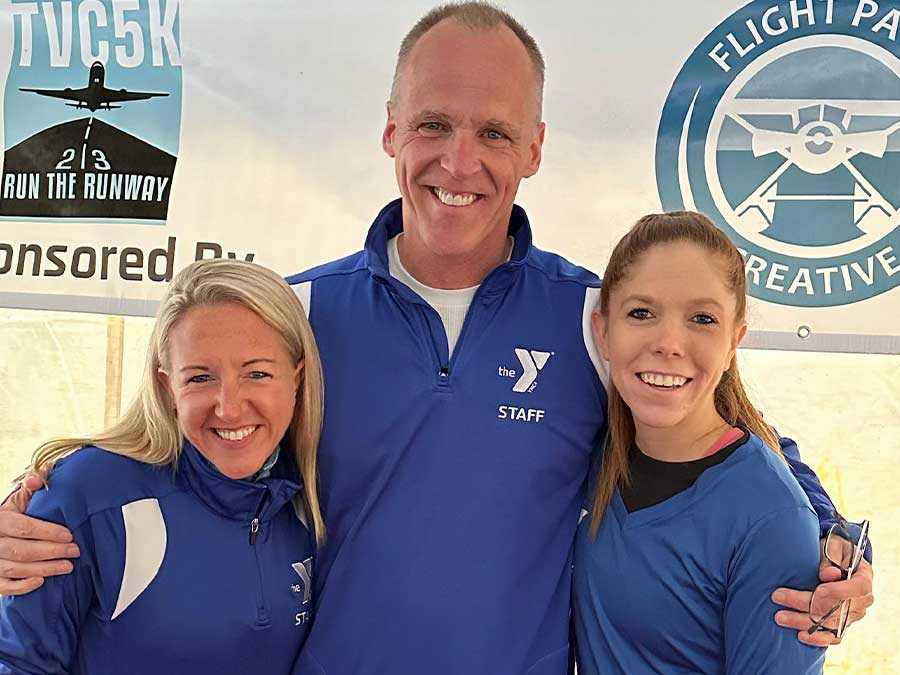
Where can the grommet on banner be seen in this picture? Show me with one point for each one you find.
(804, 332)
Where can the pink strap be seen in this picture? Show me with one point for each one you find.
(726, 439)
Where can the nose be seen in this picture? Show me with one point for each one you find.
(461, 157)
(669, 339)
(228, 401)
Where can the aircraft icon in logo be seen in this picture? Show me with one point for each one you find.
(95, 96)
(820, 142)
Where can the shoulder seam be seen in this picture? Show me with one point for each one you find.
(117, 506)
(324, 270)
(332, 273)
(562, 279)
(769, 515)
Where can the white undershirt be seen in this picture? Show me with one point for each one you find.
(450, 304)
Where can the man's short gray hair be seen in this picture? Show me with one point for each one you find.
(477, 16)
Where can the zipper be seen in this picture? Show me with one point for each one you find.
(432, 320)
(435, 331)
(254, 524)
(262, 612)
(444, 369)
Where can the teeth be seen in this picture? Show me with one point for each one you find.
(235, 434)
(660, 380)
(451, 199)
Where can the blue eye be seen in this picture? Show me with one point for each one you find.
(198, 379)
(640, 313)
(432, 127)
(259, 375)
(494, 135)
(704, 319)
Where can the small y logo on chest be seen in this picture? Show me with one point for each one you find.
(304, 571)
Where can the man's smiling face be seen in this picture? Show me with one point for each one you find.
(463, 131)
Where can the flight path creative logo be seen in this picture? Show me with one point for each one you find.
(92, 110)
(784, 127)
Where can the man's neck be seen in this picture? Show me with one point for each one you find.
(451, 272)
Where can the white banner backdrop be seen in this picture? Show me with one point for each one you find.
(217, 127)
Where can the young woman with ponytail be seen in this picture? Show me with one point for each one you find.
(696, 515)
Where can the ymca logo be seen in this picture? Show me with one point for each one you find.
(532, 362)
(783, 127)
(304, 588)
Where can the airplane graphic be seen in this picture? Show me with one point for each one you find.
(817, 146)
(95, 96)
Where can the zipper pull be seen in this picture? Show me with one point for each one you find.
(254, 524)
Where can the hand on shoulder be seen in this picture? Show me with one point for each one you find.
(30, 549)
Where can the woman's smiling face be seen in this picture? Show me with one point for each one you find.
(234, 385)
(669, 333)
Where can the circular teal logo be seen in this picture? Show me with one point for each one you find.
(783, 127)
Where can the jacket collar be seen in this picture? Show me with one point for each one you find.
(389, 223)
(239, 499)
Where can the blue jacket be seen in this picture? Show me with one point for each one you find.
(451, 487)
(168, 581)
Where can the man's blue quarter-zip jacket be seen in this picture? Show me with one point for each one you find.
(451, 485)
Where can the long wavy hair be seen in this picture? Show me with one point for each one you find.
(148, 431)
(731, 400)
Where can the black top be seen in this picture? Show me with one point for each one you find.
(654, 481)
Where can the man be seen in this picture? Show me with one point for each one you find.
(464, 396)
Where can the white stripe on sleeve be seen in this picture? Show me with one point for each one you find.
(592, 301)
(304, 292)
(145, 548)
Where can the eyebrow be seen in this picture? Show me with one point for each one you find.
(647, 300)
(251, 362)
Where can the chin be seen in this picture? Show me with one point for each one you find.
(238, 472)
(657, 419)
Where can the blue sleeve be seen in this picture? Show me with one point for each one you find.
(39, 631)
(809, 481)
(780, 550)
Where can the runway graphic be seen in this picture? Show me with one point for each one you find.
(86, 168)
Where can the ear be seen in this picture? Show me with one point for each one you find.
(298, 372)
(740, 332)
(535, 151)
(387, 136)
(166, 383)
(599, 328)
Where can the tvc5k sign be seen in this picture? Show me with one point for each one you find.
(92, 110)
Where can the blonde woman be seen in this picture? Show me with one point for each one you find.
(196, 515)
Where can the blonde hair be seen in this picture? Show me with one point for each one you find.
(730, 398)
(149, 432)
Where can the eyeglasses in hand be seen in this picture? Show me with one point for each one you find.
(846, 557)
